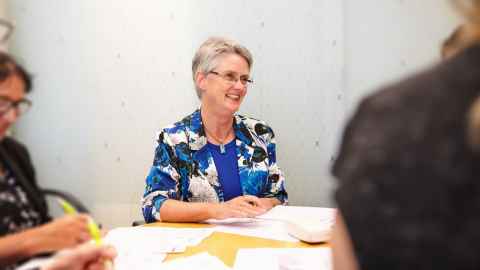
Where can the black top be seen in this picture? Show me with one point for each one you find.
(19, 210)
(409, 184)
(22, 205)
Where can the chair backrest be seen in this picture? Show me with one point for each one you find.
(79, 206)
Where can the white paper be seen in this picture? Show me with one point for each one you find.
(199, 261)
(300, 213)
(230, 220)
(128, 260)
(283, 259)
(148, 246)
(157, 239)
(272, 225)
(269, 229)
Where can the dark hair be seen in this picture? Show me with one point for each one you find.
(9, 67)
(409, 187)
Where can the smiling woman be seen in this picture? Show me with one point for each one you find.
(215, 163)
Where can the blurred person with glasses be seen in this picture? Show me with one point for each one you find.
(26, 230)
(215, 163)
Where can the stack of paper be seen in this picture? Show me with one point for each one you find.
(300, 213)
(284, 259)
(148, 246)
(310, 224)
(284, 223)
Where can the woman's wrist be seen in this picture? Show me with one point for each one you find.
(33, 242)
(211, 210)
(269, 203)
(19, 246)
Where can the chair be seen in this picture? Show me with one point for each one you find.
(138, 223)
(67, 197)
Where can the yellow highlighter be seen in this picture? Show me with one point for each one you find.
(92, 226)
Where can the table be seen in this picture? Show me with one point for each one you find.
(225, 245)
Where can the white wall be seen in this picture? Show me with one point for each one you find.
(388, 40)
(108, 74)
(3, 14)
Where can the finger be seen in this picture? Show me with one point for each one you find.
(83, 218)
(243, 211)
(239, 214)
(252, 200)
(253, 211)
(84, 237)
(98, 265)
(246, 204)
(88, 252)
(109, 252)
(235, 212)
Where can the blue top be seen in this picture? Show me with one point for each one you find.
(227, 168)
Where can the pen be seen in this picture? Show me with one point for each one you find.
(92, 226)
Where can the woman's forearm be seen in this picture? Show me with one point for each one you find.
(269, 203)
(19, 246)
(178, 211)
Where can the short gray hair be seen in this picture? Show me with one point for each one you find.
(205, 58)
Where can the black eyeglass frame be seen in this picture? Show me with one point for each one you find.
(21, 106)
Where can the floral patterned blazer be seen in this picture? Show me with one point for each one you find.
(183, 168)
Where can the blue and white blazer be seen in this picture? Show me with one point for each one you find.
(183, 168)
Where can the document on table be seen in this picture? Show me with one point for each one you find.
(300, 213)
(273, 224)
(269, 229)
(199, 261)
(283, 259)
(309, 224)
(229, 221)
(149, 245)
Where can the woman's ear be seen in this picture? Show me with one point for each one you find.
(201, 80)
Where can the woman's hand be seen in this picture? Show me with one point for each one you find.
(64, 232)
(268, 203)
(85, 257)
(239, 207)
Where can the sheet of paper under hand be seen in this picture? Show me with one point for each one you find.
(274, 224)
(300, 213)
(283, 259)
(268, 229)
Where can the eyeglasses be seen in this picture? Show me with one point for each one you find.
(21, 106)
(231, 78)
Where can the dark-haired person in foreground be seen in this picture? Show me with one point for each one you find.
(409, 171)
